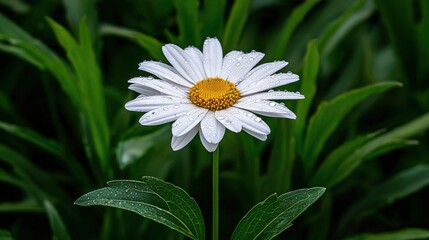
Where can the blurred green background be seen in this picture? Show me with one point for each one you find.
(361, 132)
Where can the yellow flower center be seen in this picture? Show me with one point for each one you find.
(214, 94)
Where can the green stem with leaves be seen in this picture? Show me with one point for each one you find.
(215, 222)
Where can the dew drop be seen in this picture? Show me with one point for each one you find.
(188, 113)
(258, 100)
(227, 122)
(174, 125)
(150, 78)
(258, 119)
(220, 118)
(289, 73)
(176, 106)
(165, 108)
(271, 90)
(272, 104)
(191, 119)
(239, 58)
(251, 59)
(237, 64)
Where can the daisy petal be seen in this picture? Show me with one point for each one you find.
(266, 83)
(259, 136)
(196, 61)
(274, 95)
(250, 121)
(226, 117)
(189, 120)
(180, 142)
(164, 71)
(213, 131)
(148, 103)
(165, 114)
(235, 66)
(181, 62)
(266, 108)
(262, 71)
(160, 86)
(212, 52)
(211, 147)
(143, 90)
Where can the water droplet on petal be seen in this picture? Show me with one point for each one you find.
(150, 78)
(191, 119)
(239, 58)
(174, 124)
(165, 108)
(258, 100)
(220, 118)
(272, 104)
(289, 73)
(237, 64)
(271, 90)
(176, 106)
(227, 122)
(251, 59)
(258, 119)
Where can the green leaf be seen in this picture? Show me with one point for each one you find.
(308, 88)
(213, 18)
(154, 199)
(135, 148)
(5, 235)
(38, 53)
(336, 158)
(23, 206)
(334, 32)
(58, 227)
(401, 185)
(49, 145)
(373, 147)
(90, 87)
(235, 24)
(404, 234)
(330, 114)
(289, 27)
(13, 50)
(187, 17)
(402, 33)
(150, 44)
(275, 214)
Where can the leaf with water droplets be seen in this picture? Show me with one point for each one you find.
(275, 214)
(152, 198)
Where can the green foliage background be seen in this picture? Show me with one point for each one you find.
(361, 132)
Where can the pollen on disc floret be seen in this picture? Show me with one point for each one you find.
(214, 94)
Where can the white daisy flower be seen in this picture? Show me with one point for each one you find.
(206, 93)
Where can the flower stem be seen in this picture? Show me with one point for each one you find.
(215, 222)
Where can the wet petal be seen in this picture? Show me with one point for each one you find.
(160, 86)
(165, 114)
(143, 90)
(274, 95)
(259, 136)
(212, 53)
(226, 117)
(148, 103)
(211, 147)
(181, 62)
(266, 108)
(262, 71)
(250, 121)
(212, 130)
(164, 72)
(266, 83)
(196, 61)
(237, 64)
(180, 142)
(189, 120)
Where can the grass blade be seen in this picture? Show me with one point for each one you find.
(401, 185)
(322, 123)
(187, 17)
(289, 27)
(235, 24)
(213, 18)
(59, 230)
